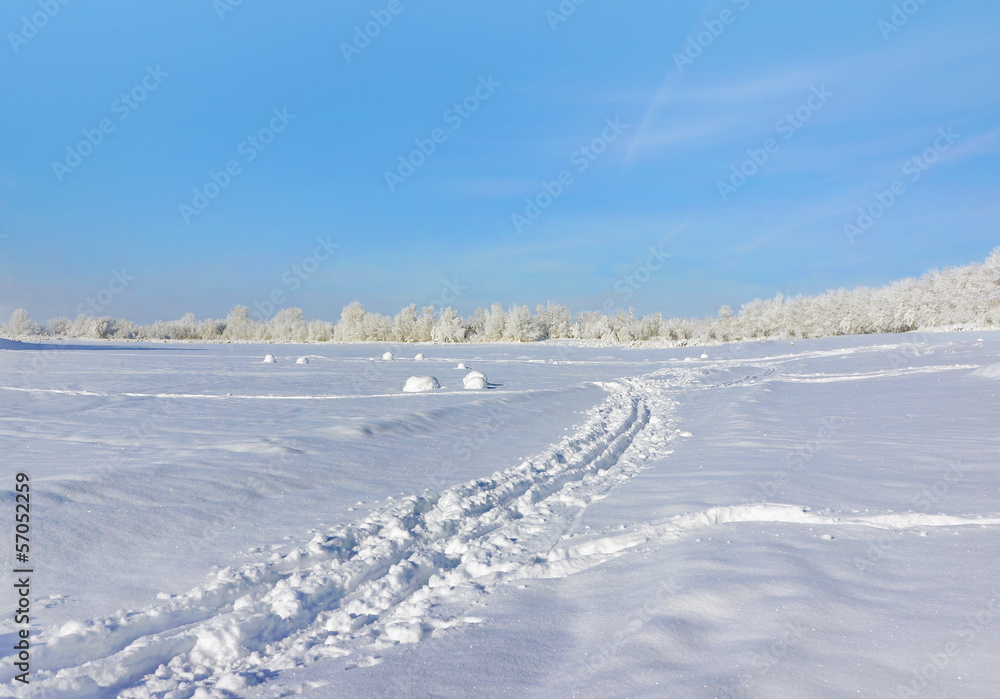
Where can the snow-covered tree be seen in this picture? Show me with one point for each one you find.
(21, 324)
(240, 327)
(288, 325)
(351, 327)
(519, 326)
(449, 327)
(496, 321)
(404, 325)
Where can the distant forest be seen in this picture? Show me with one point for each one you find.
(956, 298)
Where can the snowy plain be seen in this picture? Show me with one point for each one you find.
(770, 520)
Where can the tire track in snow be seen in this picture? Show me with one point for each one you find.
(398, 575)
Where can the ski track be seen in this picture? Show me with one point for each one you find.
(398, 575)
(413, 568)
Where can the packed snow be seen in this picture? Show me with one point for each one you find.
(773, 521)
(302, 360)
(269, 358)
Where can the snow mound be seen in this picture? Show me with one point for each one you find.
(302, 360)
(419, 357)
(704, 356)
(418, 384)
(387, 356)
(990, 371)
(269, 358)
(461, 365)
(475, 373)
(474, 382)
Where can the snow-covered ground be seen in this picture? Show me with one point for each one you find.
(775, 520)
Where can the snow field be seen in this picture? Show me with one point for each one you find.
(817, 520)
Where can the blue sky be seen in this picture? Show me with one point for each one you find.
(834, 100)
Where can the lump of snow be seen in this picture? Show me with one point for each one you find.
(387, 356)
(302, 360)
(71, 628)
(475, 373)
(418, 384)
(420, 356)
(269, 358)
(461, 365)
(405, 633)
(474, 382)
(704, 356)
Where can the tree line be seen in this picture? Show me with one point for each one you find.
(965, 297)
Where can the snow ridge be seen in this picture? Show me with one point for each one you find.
(566, 560)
